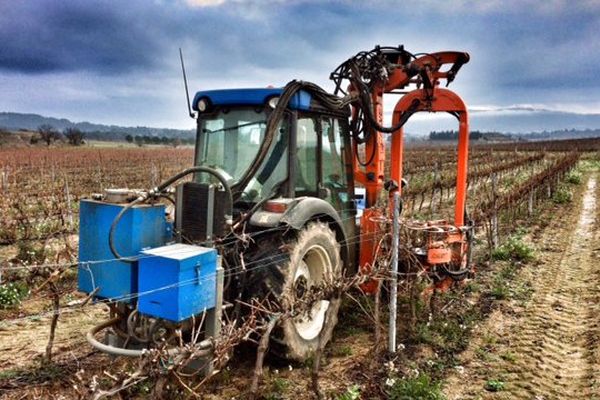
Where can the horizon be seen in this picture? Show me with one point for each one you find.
(420, 135)
(117, 64)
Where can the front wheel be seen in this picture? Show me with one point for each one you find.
(310, 259)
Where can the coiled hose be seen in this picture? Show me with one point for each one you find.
(156, 192)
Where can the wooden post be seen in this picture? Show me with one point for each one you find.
(494, 221)
(4, 180)
(530, 203)
(153, 175)
(432, 205)
(69, 210)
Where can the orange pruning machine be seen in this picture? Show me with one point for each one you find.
(446, 251)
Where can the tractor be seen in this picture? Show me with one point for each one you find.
(285, 193)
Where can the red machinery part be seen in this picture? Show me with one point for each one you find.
(444, 101)
(427, 97)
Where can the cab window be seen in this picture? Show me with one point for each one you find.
(306, 157)
(333, 153)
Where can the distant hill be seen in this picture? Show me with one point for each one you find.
(16, 121)
(510, 123)
(452, 135)
(526, 119)
(562, 134)
(510, 120)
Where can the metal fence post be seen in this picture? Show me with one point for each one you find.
(394, 284)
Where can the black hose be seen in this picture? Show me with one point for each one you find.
(365, 71)
(160, 188)
(158, 191)
(113, 228)
(332, 102)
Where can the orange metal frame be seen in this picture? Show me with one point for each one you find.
(431, 98)
(444, 101)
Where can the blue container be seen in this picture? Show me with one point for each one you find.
(141, 227)
(177, 281)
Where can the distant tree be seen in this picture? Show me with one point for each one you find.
(139, 140)
(74, 136)
(129, 138)
(453, 135)
(443, 135)
(48, 134)
(175, 142)
(476, 135)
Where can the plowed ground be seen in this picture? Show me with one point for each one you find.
(549, 347)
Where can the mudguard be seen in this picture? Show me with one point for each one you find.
(302, 210)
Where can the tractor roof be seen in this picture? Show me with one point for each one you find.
(260, 96)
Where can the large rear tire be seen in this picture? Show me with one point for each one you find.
(294, 265)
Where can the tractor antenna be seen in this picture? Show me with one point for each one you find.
(187, 93)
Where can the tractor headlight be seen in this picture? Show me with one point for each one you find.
(273, 102)
(202, 105)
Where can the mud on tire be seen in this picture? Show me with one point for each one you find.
(292, 265)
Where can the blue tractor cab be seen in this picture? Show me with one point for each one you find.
(203, 100)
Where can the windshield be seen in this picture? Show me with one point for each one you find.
(228, 141)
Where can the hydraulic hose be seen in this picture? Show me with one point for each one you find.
(113, 228)
(330, 101)
(191, 170)
(272, 122)
(158, 191)
(205, 345)
(364, 72)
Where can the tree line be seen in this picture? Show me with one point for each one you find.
(473, 135)
(76, 137)
(48, 134)
(167, 141)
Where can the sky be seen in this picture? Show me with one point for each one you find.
(117, 62)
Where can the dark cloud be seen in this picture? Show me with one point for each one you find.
(52, 36)
(526, 49)
(523, 51)
(522, 47)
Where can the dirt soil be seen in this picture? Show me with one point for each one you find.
(545, 347)
(548, 347)
(18, 349)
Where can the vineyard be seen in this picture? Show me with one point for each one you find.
(514, 190)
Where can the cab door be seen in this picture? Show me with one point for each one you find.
(322, 167)
(336, 181)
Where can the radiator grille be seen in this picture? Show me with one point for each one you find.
(197, 205)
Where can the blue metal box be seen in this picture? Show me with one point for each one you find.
(140, 227)
(177, 281)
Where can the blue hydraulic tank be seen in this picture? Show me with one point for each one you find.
(142, 226)
(177, 281)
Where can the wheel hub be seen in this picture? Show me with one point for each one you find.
(311, 271)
